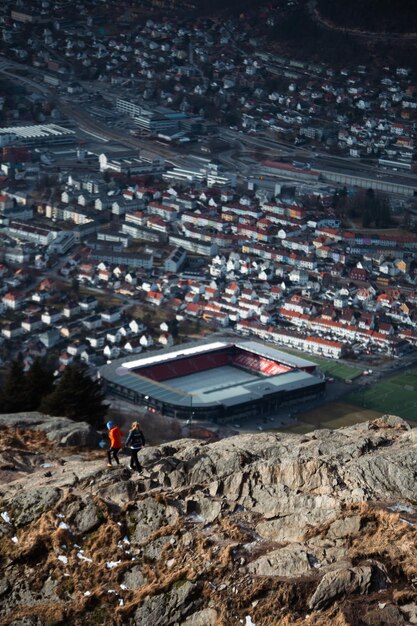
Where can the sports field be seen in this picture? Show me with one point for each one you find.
(396, 395)
(335, 369)
(213, 379)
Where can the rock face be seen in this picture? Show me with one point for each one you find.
(267, 529)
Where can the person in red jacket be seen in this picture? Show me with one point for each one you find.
(115, 435)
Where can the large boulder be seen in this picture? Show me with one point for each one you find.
(341, 582)
(169, 608)
(149, 516)
(291, 561)
(28, 505)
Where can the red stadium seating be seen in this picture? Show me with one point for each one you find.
(183, 366)
(250, 361)
(186, 365)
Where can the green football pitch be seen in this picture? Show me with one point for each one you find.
(396, 395)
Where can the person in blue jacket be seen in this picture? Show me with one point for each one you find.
(135, 441)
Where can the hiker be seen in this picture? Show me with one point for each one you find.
(135, 440)
(115, 435)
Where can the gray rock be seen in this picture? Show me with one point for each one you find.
(149, 516)
(120, 491)
(133, 578)
(88, 518)
(345, 527)
(387, 616)
(339, 583)
(168, 608)
(30, 505)
(4, 586)
(205, 617)
(410, 611)
(289, 562)
(153, 549)
(49, 590)
(208, 508)
(292, 513)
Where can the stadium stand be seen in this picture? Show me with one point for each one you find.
(200, 363)
(185, 366)
(254, 362)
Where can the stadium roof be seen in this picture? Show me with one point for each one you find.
(166, 355)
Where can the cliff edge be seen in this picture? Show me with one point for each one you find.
(266, 529)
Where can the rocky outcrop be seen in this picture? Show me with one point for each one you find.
(263, 529)
(60, 430)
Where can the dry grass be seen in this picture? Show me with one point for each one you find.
(23, 439)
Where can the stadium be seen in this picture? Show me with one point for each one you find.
(220, 380)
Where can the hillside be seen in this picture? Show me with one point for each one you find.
(390, 16)
(266, 529)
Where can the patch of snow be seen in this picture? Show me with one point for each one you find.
(111, 564)
(15, 539)
(194, 517)
(249, 621)
(63, 525)
(406, 521)
(5, 517)
(121, 603)
(83, 558)
(59, 515)
(87, 593)
(63, 559)
(122, 586)
(126, 540)
(401, 508)
(47, 465)
(112, 591)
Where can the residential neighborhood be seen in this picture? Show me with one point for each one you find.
(241, 190)
(194, 74)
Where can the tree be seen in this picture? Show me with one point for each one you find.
(78, 397)
(173, 327)
(13, 393)
(376, 210)
(39, 382)
(75, 286)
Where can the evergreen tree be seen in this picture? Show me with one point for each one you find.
(13, 393)
(173, 327)
(78, 397)
(39, 383)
